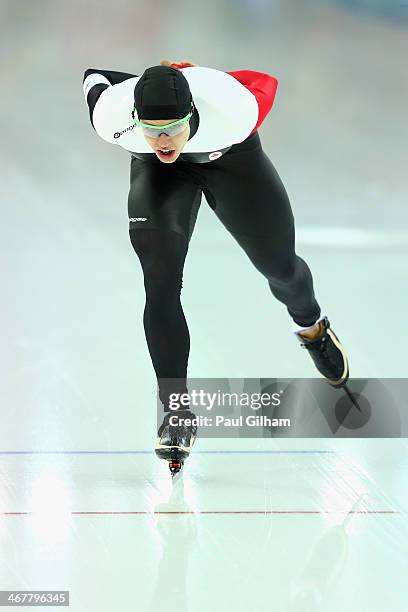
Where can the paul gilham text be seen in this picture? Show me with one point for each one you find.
(251, 420)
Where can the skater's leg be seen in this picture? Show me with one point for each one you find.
(169, 202)
(247, 195)
(288, 275)
(162, 254)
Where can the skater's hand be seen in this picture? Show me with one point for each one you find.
(181, 64)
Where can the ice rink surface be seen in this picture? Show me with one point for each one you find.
(299, 525)
(85, 506)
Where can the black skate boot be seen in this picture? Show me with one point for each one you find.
(327, 352)
(176, 437)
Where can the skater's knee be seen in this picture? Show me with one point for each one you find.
(162, 254)
(154, 246)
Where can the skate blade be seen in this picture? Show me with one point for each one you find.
(175, 467)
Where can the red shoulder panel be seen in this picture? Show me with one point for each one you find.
(262, 86)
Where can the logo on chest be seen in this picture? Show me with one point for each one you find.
(119, 134)
(214, 155)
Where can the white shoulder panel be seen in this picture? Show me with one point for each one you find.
(113, 114)
(228, 112)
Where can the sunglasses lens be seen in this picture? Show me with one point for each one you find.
(170, 131)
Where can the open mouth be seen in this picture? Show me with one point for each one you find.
(166, 153)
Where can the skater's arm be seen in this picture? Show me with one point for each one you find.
(95, 81)
(113, 76)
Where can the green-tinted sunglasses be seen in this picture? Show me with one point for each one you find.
(171, 129)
